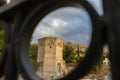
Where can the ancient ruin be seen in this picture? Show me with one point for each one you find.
(51, 58)
(52, 65)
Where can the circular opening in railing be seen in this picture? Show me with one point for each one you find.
(60, 41)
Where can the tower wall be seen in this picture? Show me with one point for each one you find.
(50, 55)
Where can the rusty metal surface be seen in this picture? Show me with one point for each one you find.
(15, 59)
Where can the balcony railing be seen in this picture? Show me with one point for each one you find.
(24, 16)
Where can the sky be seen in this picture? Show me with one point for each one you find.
(69, 23)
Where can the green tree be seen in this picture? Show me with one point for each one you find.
(1, 41)
(99, 65)
(33, 51)
(68, 54)
(33, 56)
(78, 53)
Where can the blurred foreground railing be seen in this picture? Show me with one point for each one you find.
(20, 17)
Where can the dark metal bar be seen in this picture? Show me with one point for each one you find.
(112, 18)
(7, 38)
(12, 73)
(2, 2)
(27, 13)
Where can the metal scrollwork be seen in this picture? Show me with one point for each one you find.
(21, 19)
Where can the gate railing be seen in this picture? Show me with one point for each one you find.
(20, 17)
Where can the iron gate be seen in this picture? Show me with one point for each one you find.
(24, 16)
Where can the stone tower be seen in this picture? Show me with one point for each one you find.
(50, 55)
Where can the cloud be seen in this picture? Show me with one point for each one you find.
(69, 23)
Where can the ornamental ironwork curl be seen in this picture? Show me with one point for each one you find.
(18, 21)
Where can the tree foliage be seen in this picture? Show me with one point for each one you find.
(68, 54)
(78, 55)
(99, 65)
(33, 51)
(33, 56)
(1, 41)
